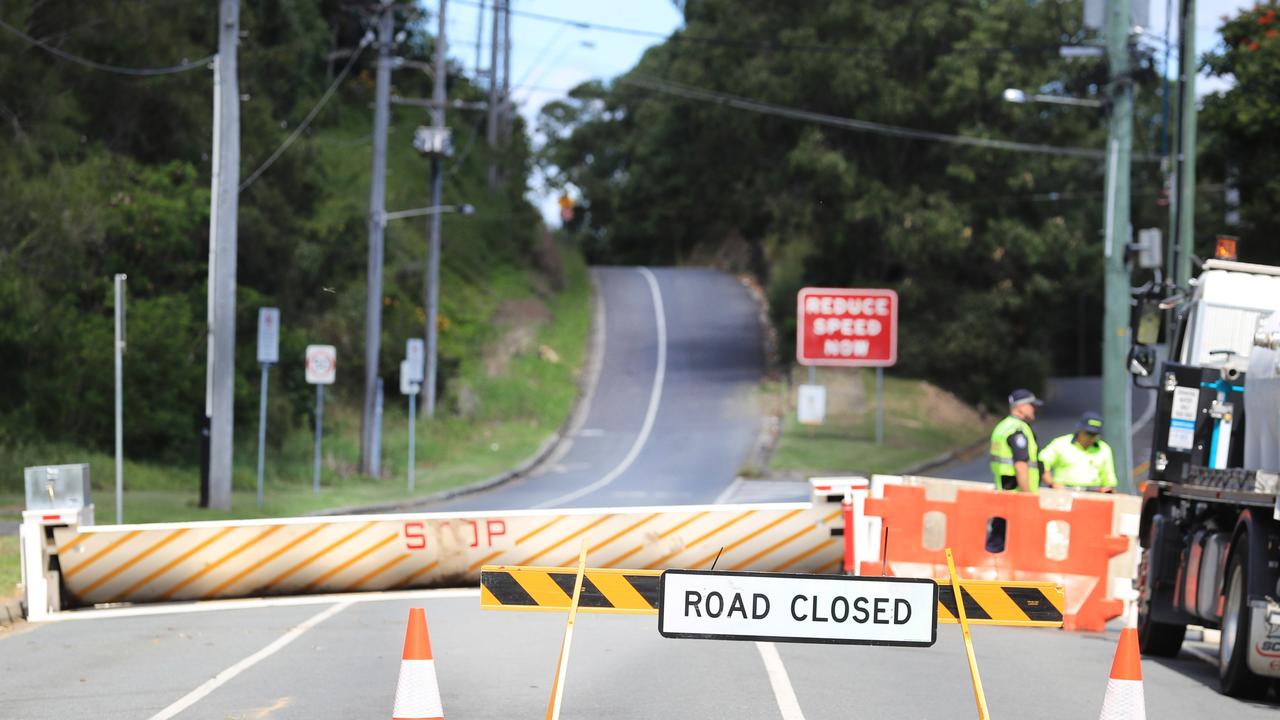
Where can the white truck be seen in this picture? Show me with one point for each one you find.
(1210, 523)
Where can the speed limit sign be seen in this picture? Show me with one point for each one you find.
(322, 364)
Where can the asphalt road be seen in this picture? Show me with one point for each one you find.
(499, 665)
(672, 415)
(1065, 401)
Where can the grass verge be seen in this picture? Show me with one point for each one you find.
(500, 419)
(920, 423)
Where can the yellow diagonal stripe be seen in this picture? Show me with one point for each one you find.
(541, 588)
(617, 590)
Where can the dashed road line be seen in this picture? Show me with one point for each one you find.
(783, 693)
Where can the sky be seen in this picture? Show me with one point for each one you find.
(549, 58)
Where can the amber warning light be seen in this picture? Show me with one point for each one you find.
(1226, 248)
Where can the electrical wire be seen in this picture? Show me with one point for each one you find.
(749, 44)
(135, 72)
(741, 103)
(311, 115)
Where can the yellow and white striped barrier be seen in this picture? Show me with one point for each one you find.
(249, 558)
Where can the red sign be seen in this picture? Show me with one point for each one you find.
(842, 326)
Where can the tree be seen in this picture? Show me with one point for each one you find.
(994, 254)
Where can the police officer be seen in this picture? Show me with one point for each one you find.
(1014, 456)
(1081, 460)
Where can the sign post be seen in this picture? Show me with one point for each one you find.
(119, 353)
(409, 386)
(849, 327)
(773, 607)
(268, 354)
(322, 369)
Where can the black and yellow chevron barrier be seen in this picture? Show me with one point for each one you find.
(635, 592)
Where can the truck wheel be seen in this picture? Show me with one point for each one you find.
(1234, 676)
(1154, 638)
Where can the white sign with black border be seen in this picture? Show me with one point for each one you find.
(269, 335)
(775, 607)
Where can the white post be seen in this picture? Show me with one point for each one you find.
(262, 427)
(119, 356)
(413, 412)
(879, 406)
(315, 482)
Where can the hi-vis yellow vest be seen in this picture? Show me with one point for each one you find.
(1002, 454)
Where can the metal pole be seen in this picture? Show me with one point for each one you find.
(377, 223)
(222, 271)
(479, 36)
(492, 130)
(315, 481)
(879, 406)
(506, 72)
(432, 303)
(1186, 228)
(1116, 397)
(119, 355)
(813, 375)
(375, 467)
(262, 427)
(413, 412)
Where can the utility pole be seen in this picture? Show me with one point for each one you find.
(1185, 228)
(220, 372)
(479, 37)
(1116, 399)
(506, 72)
(492, 130)
(438, 98)
(377, 223)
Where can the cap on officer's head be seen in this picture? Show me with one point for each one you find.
(1090, 422)
(1023, 396)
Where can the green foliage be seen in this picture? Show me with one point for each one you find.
(1240, 126)
(978, 249)
(102, 173)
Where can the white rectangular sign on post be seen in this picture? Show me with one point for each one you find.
(322, 364)
(269, 335)
(408, 385)
(798, 608)
(811, 406)
(413, 353)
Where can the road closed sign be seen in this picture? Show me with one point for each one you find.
(847, 326)
(798, 608)
(322, 364)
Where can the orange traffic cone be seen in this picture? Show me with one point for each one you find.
(1124, 699)
(417, 693)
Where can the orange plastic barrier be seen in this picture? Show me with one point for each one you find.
(1071, 547)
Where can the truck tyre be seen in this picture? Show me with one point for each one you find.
(1154, 638)
(1234, 676)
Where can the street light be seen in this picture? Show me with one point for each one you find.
(1020, 97)
(463, 209)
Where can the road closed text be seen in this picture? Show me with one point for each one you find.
(810, 608)
(798, 608)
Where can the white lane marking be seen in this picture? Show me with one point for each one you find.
(590, 432)
(781, 682)
(227, 675)
(651, 414)
(256, 603)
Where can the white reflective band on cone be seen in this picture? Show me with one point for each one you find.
(1124, 701)
(417, 694)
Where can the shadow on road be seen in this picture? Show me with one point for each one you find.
(1194, 664)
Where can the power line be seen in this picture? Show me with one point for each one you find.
(135, 72)
(750, 44)
(741, 103)
(311, 115)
